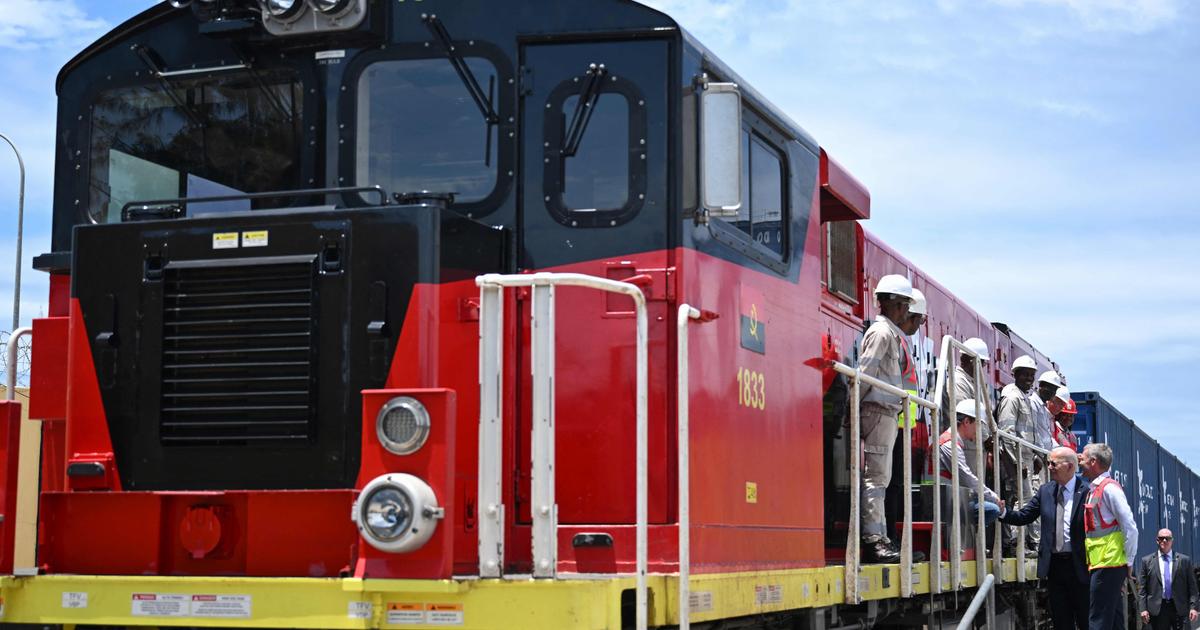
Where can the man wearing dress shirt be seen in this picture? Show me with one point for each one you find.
(1167, 587)
(1061, 559)
(1110, 538)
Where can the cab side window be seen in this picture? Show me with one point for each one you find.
(762, 216)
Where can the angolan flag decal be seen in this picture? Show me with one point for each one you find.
(753, 320)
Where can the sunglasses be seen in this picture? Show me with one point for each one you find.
(1162, 538)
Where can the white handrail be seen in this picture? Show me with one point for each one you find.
(684, 315)
(545, 521)
(11, 366)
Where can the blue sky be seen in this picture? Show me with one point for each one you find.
(1039, 157)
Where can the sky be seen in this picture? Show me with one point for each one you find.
(1040, 158)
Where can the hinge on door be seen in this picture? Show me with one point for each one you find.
(656, 282)
(525, 81)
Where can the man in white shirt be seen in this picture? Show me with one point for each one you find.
(1111, 538)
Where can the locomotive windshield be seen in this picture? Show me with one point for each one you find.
(195, 137)
(419, 129)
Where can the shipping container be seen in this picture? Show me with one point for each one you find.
(1168, 483)
(1145, 491)
(1184, 537)
(1195, 525)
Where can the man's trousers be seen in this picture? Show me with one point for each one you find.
(878, 435)
(1107, 604)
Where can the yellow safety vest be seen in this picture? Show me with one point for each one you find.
(1105, 540)
(909, 377)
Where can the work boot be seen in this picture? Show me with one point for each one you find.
(918, 556)
(879, 551)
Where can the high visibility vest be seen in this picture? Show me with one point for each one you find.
(942, 441)
(908, 376)
(1105, 541)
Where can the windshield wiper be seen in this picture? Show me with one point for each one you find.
(482, 100)
(152, 62)
(589, 93)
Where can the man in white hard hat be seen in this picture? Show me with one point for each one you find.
(918, 312)
(1015, 415)
(952, 455)
(964, 389)
(881, 355)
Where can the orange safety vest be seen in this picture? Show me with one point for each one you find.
(937, 452)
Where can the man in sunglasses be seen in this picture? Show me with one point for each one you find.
(1061, 554)
(1167, 596)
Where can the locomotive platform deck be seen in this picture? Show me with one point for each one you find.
(582, 601)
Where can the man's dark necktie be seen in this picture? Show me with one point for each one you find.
(1060, 506)
(1166, 576)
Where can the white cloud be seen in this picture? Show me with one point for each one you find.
(29, 25)
(1132, 16)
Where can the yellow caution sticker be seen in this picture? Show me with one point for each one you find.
(402, 613)
(751, 492)
(225, 240)
(444, 614)
(257, 238)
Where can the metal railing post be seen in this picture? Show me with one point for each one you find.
(683, 396)
(853, 543)
(16, 321)
(541, 474)
(1020, 553)
(491, 427)
(940, 394)
(984, 589)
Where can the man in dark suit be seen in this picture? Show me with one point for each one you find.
(1061, 558)
(1167, 587)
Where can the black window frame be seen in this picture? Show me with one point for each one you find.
(502, 102)
(732, 236)
(554, 163)
(310, 129)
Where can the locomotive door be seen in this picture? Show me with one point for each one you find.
(594, 201)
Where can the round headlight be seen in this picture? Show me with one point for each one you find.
(397, 512)
(402, 425)
(331, 7)
(282, 9)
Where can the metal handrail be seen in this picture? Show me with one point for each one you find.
(853, 549)
(685, 314)
(985, 590)
(10, 356)
(542, 487)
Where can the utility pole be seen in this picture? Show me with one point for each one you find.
(16, 321)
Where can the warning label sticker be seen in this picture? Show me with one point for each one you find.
(222, 606)
(257, 238)
(225, 240)
(405, 613)
(444, 614)
(700, 601)
(160, 605)
(74, 600)
(360, 610)
(768, 594)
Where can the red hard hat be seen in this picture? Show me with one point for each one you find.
(1070, 407)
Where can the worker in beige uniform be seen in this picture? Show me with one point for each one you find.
(881, 356)
(1014, 415)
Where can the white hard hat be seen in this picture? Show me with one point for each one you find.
(978, 346)
(1051, 377)
(1024, 361)
(918, 306)
(1063, 394)
(896, 285)
(966, 408)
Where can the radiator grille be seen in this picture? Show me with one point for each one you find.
(238, 353)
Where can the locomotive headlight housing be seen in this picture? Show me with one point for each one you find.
(331, 7)
(402, 425)
(282, 9)
(397, 513)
